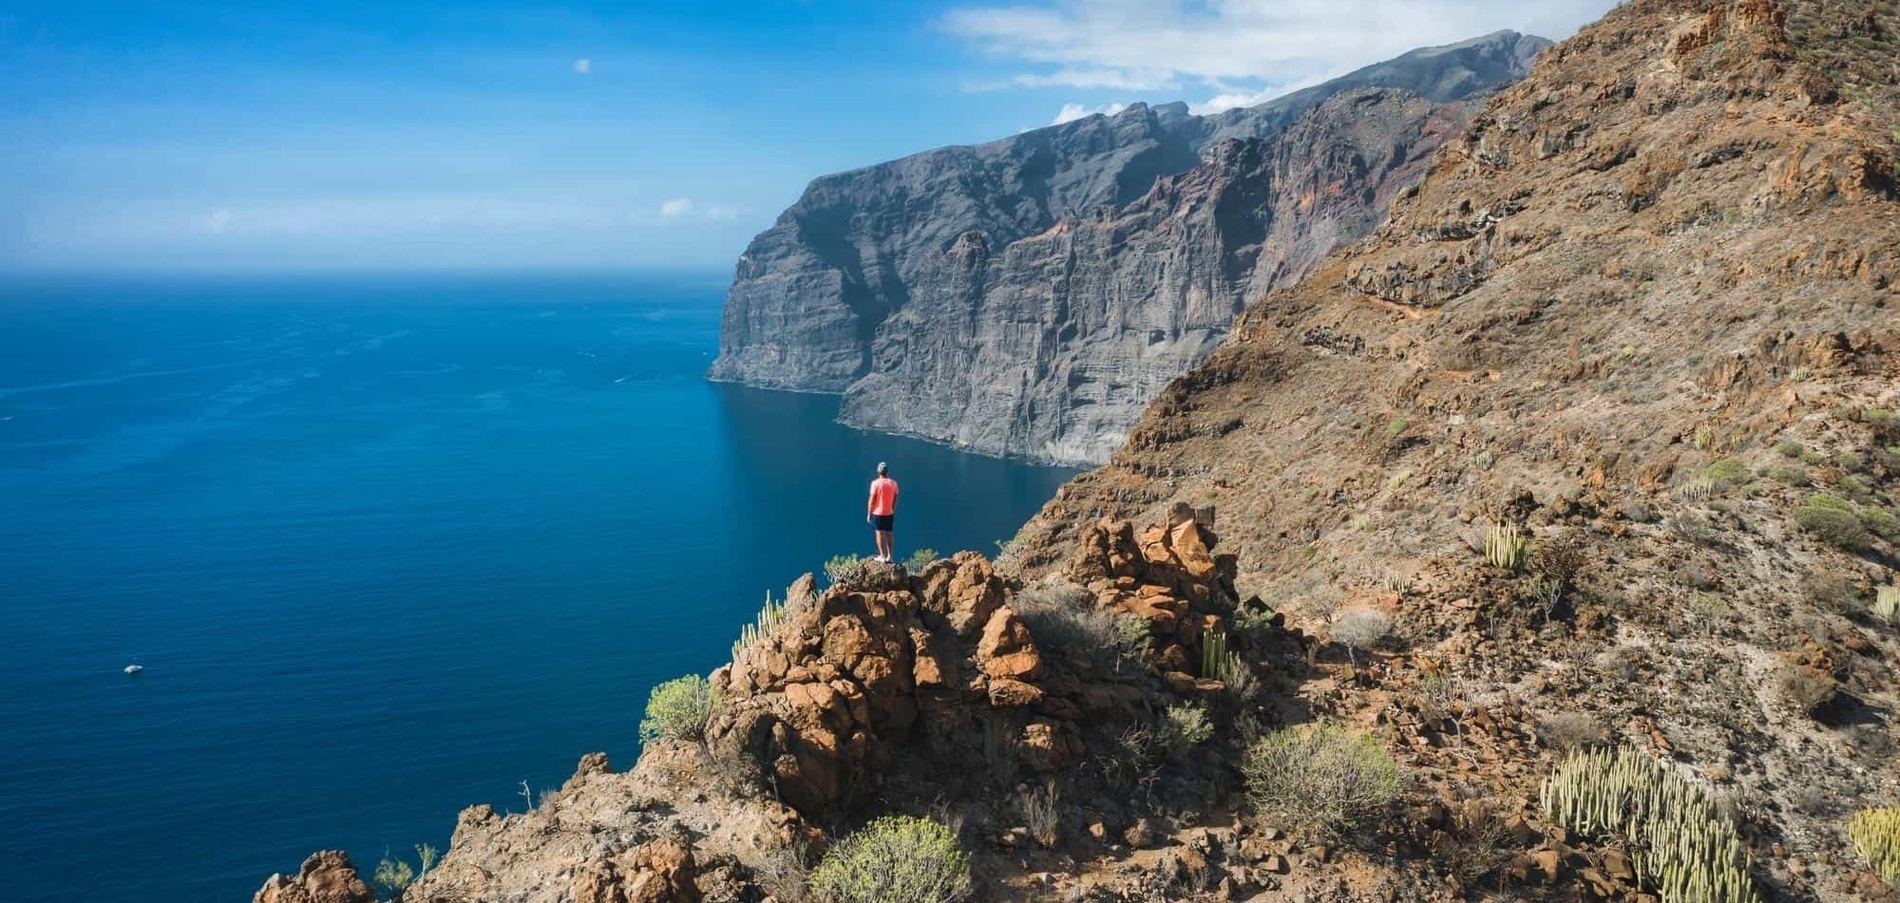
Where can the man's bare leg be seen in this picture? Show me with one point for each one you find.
(884, 544)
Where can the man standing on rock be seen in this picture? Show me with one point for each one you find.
(881, 510)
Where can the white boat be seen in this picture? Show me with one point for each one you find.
(134, 669)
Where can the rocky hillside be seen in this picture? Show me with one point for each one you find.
(1027, 297)
(1593, 447)
(1648, 311)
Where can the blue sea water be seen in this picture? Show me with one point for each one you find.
(386, 548)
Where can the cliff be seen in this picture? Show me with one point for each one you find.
(1592, 445)
(1026, 297)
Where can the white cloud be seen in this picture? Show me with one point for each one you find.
(676, 208)
(1242, 51)
(583, 65)
(1070, 112)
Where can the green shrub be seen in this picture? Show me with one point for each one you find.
(1790, 448)
(392, 875)
(1807, 689)
(1876, 834)
(1790, 474)
(1830, 501)
(1726, 472)
(920, 559)
(1571, 731)
(1062, 617)
(1831, 519)
(896, 859)
(844, 567)
(1684, 847)
(1320, 782)
(1360, 629)
(677, 710)
(1882, 522)
(1183, 727)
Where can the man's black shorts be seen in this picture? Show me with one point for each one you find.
(882, 522)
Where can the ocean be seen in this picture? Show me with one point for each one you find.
(384, 548)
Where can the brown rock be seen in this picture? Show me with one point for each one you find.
(1190, 548)
(972, 595)
(1546, 863)
(802, 593)
(934, 666)
(1143, 834)
(597, 882)
(1007, 650)
(1618, 865)
(326, 877)
(665, 874)
(1047, 748)
(1006, 693)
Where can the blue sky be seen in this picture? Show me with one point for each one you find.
(261, 136)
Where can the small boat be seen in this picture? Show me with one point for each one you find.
(134, 669)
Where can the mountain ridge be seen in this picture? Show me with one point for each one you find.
(828, 297)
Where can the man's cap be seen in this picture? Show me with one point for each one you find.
(883, 467)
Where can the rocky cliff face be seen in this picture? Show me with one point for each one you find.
(1026, 297)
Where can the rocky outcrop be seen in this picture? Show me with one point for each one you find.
(1027, 297)
(326, 877)
(888, 685)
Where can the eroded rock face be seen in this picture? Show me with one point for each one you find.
(1062, 277)
(326, 877)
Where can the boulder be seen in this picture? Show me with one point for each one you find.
(1006, 650)
(326, 877)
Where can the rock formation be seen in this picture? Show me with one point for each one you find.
(1027, 297)
(326, 877)
(877, 688)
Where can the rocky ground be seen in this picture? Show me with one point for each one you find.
(1642, 313)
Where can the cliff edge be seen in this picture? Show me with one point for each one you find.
(1026, 297)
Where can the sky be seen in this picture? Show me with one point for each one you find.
(261, 136)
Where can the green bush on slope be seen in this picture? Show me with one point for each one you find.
(677, 710)
(1320, 782)
(896, 859)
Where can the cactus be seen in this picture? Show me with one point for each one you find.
(1876, 834)
(1887, 604)
(1505, 546)
(1214, 654)
(1683, 847)
(770, 618)
(1217, 663)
